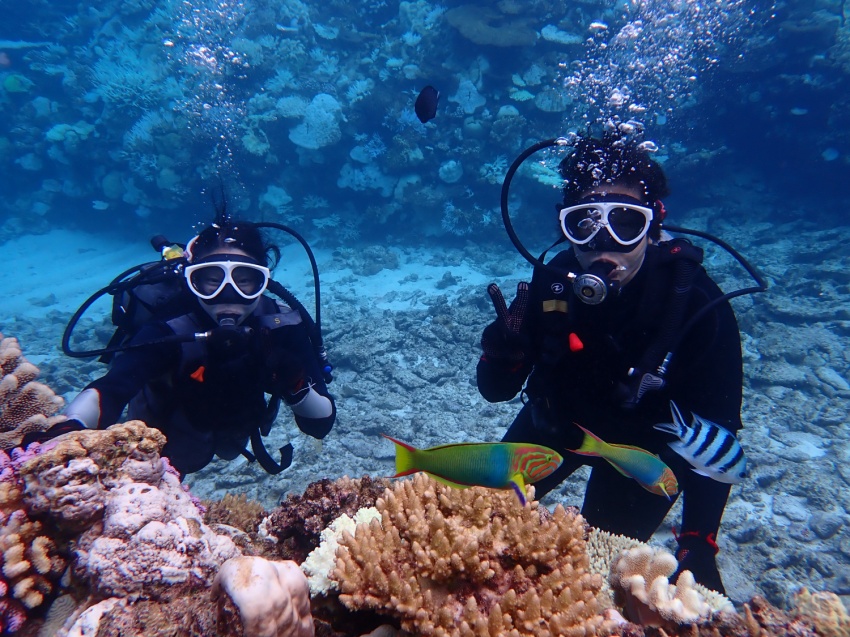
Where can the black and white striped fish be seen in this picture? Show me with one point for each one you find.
(713, 451)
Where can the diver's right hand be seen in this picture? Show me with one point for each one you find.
(505, 338)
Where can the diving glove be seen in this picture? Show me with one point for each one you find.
(505, 338)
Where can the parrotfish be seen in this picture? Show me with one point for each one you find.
(713, 451)
(497, 465)
(647, 469)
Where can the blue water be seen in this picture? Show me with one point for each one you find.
(119, 120)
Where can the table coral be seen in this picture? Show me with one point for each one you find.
(25, 404)
(471, 562)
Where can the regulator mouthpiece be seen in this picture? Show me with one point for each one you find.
(593, 286)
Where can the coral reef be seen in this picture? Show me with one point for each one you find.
(826, 612)
(463, 562)
(30, 562)
(640, 580)
(108, 504)
(296, 525)
(235, 510)
(25, 405)
(272, 598)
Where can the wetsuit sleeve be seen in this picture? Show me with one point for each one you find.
(131, 370)
(710, 380)
(297, 377)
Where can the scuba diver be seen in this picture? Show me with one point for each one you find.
(201, 376)
(607, 334)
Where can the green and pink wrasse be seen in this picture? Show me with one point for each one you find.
(648, 470)
(497, 465)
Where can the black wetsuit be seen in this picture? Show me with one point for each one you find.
(587, 386)
(207, 397)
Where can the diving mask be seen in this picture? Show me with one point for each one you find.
(627, 223)
(208, 280)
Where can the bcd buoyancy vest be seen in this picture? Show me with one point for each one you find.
(653, 315)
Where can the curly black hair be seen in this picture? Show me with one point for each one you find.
(226, 232)
(611, 159)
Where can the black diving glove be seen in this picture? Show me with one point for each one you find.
(505, 339)
(64, 427)
(697, 554)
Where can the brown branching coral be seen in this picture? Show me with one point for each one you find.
(471, 562)
(30, 562)
(25, 405)
(236, 511)
(298, 522)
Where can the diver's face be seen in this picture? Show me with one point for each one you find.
(626, 264)
(228, 303)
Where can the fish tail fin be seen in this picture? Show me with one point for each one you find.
(404, 461)
(668, 427)
(592, 445)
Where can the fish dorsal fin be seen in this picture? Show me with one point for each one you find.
(633, 448)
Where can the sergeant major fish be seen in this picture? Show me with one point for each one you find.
(497, 465)
(713, 451)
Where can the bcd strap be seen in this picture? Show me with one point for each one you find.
(264, 458)
(649, 376)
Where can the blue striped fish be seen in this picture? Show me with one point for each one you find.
(713, 451)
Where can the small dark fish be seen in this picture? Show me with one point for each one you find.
(426, 103)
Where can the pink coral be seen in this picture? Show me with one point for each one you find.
(31, 564)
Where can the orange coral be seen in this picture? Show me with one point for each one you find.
(25, 405)
(452, 562)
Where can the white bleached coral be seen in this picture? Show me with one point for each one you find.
(322, 560)
(320, 126)
(640, 580)
(272, 597)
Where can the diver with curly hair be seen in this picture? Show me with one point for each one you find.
(586, 353)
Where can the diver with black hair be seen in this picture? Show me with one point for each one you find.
(638, 323)
(201, 377)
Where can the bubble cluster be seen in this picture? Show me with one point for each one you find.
(643, 67)
(201, 55)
